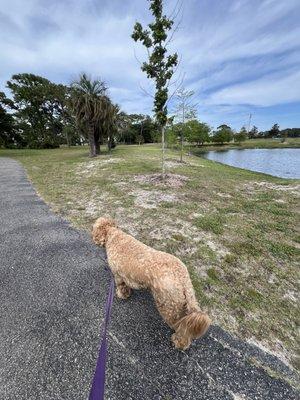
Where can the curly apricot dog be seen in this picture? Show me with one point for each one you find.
(137, 266)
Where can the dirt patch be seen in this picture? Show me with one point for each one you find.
(280, 201)
(179, 228)
(291, 295)
(95, 205)
(224, 195)
(121, 184)
(176, 227)
(150, 198)
(90, 167)
(173, 164)
(170, 180)
(294, 189)
(218, 248)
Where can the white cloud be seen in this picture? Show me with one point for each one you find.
(268, 91)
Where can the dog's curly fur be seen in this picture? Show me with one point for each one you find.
(137, 266)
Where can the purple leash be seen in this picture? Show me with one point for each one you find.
(98, 385)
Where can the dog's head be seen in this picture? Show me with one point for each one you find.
(100, 230)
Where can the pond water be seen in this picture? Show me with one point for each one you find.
(284, 163)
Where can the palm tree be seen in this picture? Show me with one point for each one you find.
(106, 123)
(93, 109)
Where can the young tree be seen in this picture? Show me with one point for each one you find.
(160, 64)
(240, 136)
(185, 110)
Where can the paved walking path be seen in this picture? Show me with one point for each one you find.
(52, 292)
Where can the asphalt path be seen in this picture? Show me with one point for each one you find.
(53, 286)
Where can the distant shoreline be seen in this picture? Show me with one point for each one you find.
(249, 144)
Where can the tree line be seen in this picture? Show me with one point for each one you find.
(274, 132)
(199, 133)
(43, 114)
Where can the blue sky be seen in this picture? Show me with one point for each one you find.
(239, 56)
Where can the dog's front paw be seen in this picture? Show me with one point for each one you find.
(180, 342)
(123, 292)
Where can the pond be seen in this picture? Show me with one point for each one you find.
(284, 163)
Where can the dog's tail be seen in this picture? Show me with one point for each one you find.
(194, 324)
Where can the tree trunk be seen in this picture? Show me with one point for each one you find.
(140, 141)
(65, 124)
(163, 128)
(97, 141)
(97, 146)
(92, 141)
(181, 144)
(183, 121)
(68, 139)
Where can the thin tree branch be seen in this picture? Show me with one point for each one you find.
(145, 91)
(173, 33)
(176, 89)
(176, 10)
(173, 16)
(173, 82)
(135, 56)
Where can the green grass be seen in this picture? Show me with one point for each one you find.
(236, 230)
(211, 222)
(213, 274)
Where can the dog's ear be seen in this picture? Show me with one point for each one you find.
(104, 222)
(100, 229)
(111, 222)
(194, 325)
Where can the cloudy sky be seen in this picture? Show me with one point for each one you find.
(239, 56)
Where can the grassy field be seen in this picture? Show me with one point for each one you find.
(236, 230)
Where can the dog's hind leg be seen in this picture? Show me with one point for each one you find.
(123, 291)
